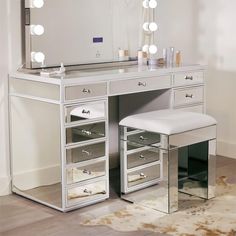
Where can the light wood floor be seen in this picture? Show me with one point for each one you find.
(22, 217)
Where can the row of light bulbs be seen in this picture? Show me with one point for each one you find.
(150, 27)
(150, 4)
(37, 30)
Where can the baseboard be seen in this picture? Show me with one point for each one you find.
(36, 178)
(226, 149)
(5, 186)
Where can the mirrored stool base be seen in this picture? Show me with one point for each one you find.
(155, 167)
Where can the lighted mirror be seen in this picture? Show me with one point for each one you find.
(84, 32)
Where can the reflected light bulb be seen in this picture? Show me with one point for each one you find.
(36, 30)
(145, 48)
(38, 57)
(152, 3)
(153, 26)
(153, 49)
(146, 3)
(37, 3)
(146, 26)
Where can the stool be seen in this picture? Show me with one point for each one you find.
(164, 152)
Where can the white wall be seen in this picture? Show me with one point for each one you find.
(10, 48)
(216, 46)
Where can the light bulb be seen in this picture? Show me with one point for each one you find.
(146, 26)
(38, 57)
(152, 3)
(36, 30)
(153, 49)
(37, 3)
(145, 48)
(153, 26)
(146, 3)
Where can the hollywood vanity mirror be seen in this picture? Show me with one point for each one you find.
(85, 32)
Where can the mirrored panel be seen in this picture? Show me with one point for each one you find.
(85, 32)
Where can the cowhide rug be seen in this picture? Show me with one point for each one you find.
(196, 217)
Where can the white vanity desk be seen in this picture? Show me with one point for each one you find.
(60, 126)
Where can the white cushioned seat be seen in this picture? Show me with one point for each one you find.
(168, 121)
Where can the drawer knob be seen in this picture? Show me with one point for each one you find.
(143, 176)
(143, 84)
(88, 192)
(87, 132)
(189, 77)
(87, 172)
(86, 90)
(86, 112)
(189, 95)
(142, 157)
(87, 153)
(142, 138)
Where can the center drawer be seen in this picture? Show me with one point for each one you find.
(143, 176)
(139, 85)
(86, 172)
(83, 133)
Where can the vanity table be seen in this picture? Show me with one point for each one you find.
(59, 126)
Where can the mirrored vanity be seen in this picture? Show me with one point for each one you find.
(64, 124)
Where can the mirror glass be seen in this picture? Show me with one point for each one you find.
(84, 31)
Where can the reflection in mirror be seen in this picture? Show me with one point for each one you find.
(86, 32)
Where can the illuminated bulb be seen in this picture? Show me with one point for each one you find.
(37, 3)
(38, 57)
(153, 49)
(146, 3)
(37, 30)
(145, 48)
(146, 26)
(153, 26)
(152, 4)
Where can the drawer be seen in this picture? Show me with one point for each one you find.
(197, 109)
(143, 176)
(84, 133)
(85, 91)
(86, 193)
(139, 85)
(86, 111)
(85, 153)
(142, 158)
(188, 96)
(142, 139)
(86, 172)
(190, 78)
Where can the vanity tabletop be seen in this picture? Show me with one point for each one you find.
(102, 74)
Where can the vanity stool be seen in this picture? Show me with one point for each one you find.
(165, 152)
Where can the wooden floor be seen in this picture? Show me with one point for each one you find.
(19, 216)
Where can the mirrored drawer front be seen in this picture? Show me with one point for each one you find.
(85, 133)
(144, 139)
(142, 158)
(139, 85)
(189, 96)
(85, 91)
(78, 174)
(88, 111)
(86, 193)
(143, 175)
(85, 153)
(188, 78)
